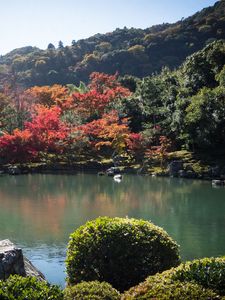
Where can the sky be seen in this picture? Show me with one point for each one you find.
(40, 22)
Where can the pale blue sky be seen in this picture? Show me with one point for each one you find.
(39, 22)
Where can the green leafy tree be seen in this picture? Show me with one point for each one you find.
(205, 119)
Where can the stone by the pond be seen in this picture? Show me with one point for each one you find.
(218, 182)
(174, 167)
(101, 173)
(182, 173)
(13, 262)
(215, 171)
(113, 171)
(14, 170)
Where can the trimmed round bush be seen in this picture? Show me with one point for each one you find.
(120, 251)
(162, 288)
(92, 290)
(203, 276)
(28, 288)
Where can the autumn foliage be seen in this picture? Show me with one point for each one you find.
(61, 122)
(109, 131)
(17, 147)
(46, 128)
(41, 134)
(160, 151)
(136, 145)
(48, 95)
(103, 90)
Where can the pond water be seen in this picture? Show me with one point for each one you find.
(38, 212)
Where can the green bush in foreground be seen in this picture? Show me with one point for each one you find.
(198, 279)
(209, 272)
(28, 288)
(161, 288)
(92, 290)
(120, 251)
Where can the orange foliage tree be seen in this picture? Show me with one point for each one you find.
(136, 145)
(108, 132)
(159, 152)
(54, 115)
(48, 95)
(103, 90)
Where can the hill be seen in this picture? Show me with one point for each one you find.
(126, 51)
(182, 109)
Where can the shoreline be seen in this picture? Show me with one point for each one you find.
(102, 170)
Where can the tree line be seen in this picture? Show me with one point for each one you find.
(110, 116)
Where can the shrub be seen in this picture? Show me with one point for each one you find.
(92, 290)
(198, 279)
(28, 288)
(120, 251)
(209, 272)
(162, 288)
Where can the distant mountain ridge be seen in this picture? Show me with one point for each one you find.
(126, 51)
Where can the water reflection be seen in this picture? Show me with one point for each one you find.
(39, 212)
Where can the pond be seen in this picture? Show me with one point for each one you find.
(38, 212)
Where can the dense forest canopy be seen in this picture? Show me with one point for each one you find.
(126, 51)
(139, 118)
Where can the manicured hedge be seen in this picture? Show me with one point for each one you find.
(161, 288)
(198, 279)
(120, 251)
(209, 272)
(92, 290)
(28, 288)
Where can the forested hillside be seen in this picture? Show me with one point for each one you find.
(141, 120)
(126, 51)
